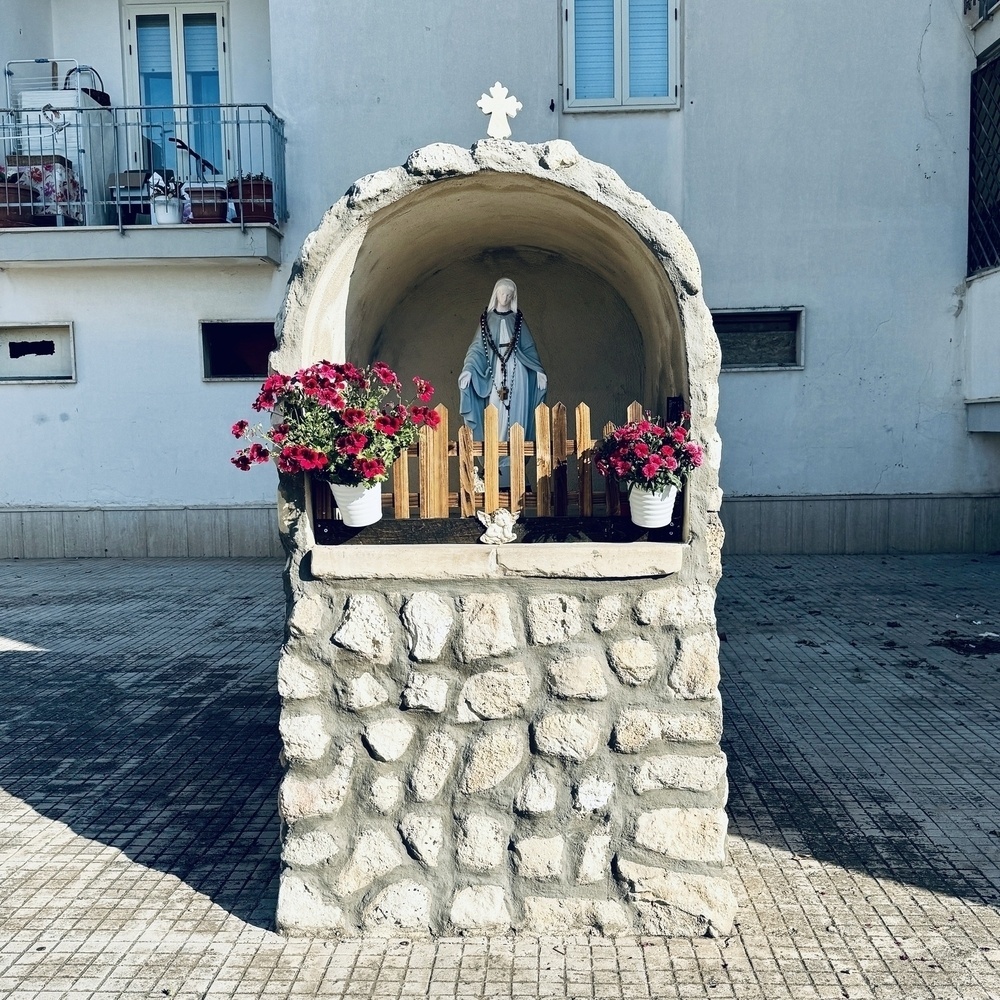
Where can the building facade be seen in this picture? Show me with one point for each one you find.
(818, 156)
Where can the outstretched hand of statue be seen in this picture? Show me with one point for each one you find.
(543, 381)
(464, 380)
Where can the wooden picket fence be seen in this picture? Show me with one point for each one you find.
(564, 481)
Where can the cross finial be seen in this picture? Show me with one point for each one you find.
(498, 106)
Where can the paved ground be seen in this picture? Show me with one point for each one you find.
(138, 839)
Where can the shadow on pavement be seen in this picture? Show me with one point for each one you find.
(169, 755)
(853, 737)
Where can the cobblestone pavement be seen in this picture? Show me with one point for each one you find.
(138, 834)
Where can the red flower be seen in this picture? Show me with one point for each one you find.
(680, 434)
(369, 467)
(652, 466)
(297, 458)
(641, 449)
(424, 389)
(388, 424)
(351, 444)
(279, 433)
(258, 453)
(352, 416)
(239, 428)
(268, 395)
(241, 460)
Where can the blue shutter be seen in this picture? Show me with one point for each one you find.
(648, 25)
(152, 39)
(594, 49)
(201, 43)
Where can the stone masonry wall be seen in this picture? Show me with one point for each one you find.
(475, 757)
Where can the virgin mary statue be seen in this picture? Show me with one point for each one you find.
(502, 367)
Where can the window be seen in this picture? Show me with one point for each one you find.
(37, 353)
(621, 54)
(984, 168)
(177, 56)
(760, 339)
(236, 349)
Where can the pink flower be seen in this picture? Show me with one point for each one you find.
(670, 463)
(239, 428)
(680, 434)
(651, 467)
(695, 453)
(641, 449)
(385, 374)
(424, 389)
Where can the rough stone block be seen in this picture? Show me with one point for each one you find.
(402, 906)
(302, 908)
(423, 836)
(593, 793)
(487, 629)
(481, 908)
(634, 660)
(702, 726)
(365, 629)
(425, 691)
(494, 694)
(388, 739)
(304, 737)
(298, 679)
(578, 677)
(545, 915)
(307, 615)
(374, 855)
(635, 729)
(385, 793)
(676, 903)
(492, 757)
(481, 843)
(569, 735)
(432, 766)
(558, 154)
(537, 793)
(539, 858)
(302, 797)
(428, 619)
(364, 692)
(302, 850)
(595, 862)
(553, 618)
(685, 609)
(608, 613)
(696, 774)
(695, 673)
(686, 834)
(440, 159)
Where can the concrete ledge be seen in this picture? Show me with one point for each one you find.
(576, 560)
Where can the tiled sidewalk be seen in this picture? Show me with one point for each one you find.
(138, 835)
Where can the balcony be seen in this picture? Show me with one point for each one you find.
(88, 184)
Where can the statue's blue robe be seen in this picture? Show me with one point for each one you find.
(525, 394)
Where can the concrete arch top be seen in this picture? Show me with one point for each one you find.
(403, 264)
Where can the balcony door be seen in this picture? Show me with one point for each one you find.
(177, 62)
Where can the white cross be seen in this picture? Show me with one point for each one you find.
(498, 106)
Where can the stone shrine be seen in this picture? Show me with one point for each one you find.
(486, 738)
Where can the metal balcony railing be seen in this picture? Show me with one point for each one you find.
(981, 7)
(95, 166)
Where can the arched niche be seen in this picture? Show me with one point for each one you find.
(401, 268)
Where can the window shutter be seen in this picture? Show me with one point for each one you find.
(201, 43)
(153, 41)
(594, 48)
(648, 25)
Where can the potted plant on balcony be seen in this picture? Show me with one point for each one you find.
(253, 197)
(653, 458)
(166, 199)
(15, 201)
(342, 423)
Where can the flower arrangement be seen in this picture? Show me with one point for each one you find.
(337, 421)
(160, 186)
(649, 454)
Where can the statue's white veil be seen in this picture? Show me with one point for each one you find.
(503, 283)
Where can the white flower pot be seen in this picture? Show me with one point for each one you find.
(359, 505)
(166, 211)
(652, 510)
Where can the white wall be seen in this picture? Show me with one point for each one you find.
(139, 426)
(25, 30)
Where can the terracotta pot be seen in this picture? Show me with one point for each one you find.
(15, 206)
(254, 200)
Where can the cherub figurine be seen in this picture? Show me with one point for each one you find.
(499, 526)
